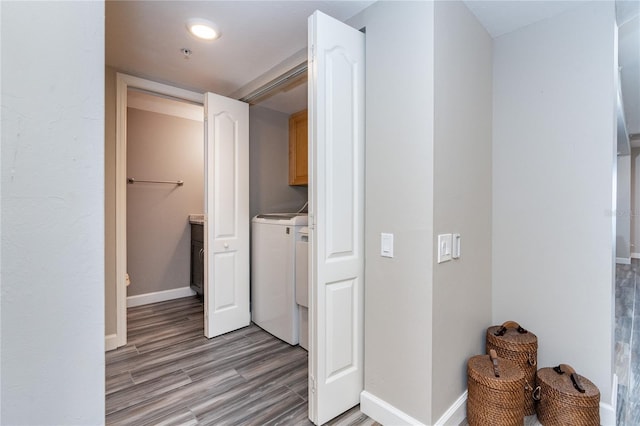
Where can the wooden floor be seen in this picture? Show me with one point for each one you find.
(627, 343)
(170, 374)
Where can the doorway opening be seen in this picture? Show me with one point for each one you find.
(165, 197)
(336, 202)
(124, 85)
(172, 356)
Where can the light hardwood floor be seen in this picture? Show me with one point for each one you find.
(627, 343)
(170, 374)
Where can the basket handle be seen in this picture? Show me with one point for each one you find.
(566, 368)
(537, 393)
(494, 359)
(509, 324)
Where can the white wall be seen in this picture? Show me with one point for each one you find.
(399, 200)
(553, 180)
(462, 197)
(52, 213)
(269, 188)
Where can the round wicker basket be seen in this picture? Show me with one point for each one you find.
(562, 402)
(494, 400)
(516, 344)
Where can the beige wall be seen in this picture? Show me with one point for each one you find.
(428, 172)
(462, 197)
(162, 147)
(554, 153)
(110, 202)
(399, 200)
(269, 188)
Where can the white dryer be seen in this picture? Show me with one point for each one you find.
(273, 272)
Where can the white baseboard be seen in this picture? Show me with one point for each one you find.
(110, 342)
(386, 414)
(607, 415)
(159, 296)
(608, 411)
(383, 412)
(614, 392)
(623, 260)
(635, 255)
(456, 413)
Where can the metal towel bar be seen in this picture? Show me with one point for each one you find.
(173, 182)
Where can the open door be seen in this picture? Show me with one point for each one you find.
(336, 217)
(226, 226)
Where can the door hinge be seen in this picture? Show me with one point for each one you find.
(312, 384)
(313, 53)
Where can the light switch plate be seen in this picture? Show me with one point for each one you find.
(444, 247)
(386, 245)
(455, 250)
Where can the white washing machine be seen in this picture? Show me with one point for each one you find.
(302, 285)
(273, 272)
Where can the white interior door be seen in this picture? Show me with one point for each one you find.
(226, 226)
(336, 201)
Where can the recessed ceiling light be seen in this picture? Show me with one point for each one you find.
(203, 29)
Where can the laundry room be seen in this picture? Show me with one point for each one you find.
(235, 305)
(269, 188)
(278, 204)
(165, 183)
(156, 144)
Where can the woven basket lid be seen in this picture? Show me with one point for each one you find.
(511, 337)
(563, 386)
(480, 369)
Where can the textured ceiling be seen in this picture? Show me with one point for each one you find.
(144, 38)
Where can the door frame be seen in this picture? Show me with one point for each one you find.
(125, 82)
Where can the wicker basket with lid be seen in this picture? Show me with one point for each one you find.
(516, 344)
(495, 395)
(566, 398)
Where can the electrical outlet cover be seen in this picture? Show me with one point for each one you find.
(444, 247)
(386, 245)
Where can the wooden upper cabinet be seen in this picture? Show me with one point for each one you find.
(298, 159)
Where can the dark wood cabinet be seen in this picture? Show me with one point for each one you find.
(197, 258)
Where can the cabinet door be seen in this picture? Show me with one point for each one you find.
(298, 149)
